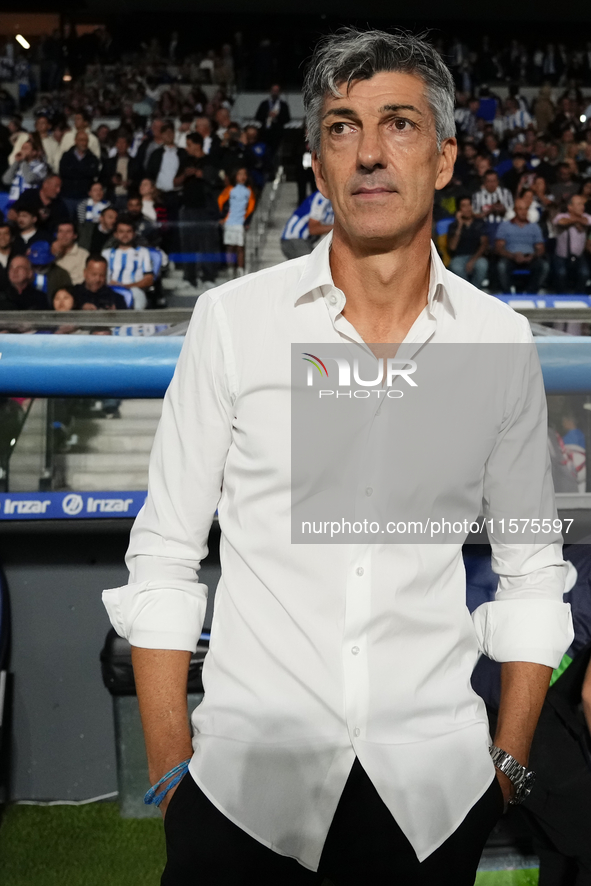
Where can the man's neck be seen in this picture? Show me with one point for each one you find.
(28, 232)
(520, 221)
(5, 250)
(386, 289)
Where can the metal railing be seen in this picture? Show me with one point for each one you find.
(262, 220)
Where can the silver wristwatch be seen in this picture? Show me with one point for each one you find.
(521, 777)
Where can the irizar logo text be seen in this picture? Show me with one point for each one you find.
(388, 370)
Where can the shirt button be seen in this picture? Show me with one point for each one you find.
(333, 299)
(357, 732)
(360, 570)
(369, 491)
(355, 650)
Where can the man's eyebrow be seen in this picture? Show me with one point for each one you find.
(349, 112)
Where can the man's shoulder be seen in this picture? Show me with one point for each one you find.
(271, 286)
(485, 317)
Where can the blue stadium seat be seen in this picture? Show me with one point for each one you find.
(443, 225)
(3, 201)
(125, 293)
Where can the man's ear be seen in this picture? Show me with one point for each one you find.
(319, 174)
(446, 162)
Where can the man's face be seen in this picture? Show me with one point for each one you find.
(222, 117)
(42, 126)
(379, 162)
(521, 208)
(25, 221)
(95, 275)
(577, 204)
(109, 217)
(65, 235)
(275, 91)
(121, 146)
(466, 208)
(102, 133)
(519, 163)
(202, 126)
(124, 234)
(481, 164)
(81, 142)
(5, 237)
(564, 174)
(491, 182)
(553, 151)
(194, 149)
(79, 121)
(252, 135)
(156, 128)
(20, 272)
(96, 192)
(51, 187)
(168, 136)
(134, 206)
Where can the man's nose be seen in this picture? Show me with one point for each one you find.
(371, 149)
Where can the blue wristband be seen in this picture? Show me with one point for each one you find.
(155, 798)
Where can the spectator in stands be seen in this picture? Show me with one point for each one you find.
(79, 168)
(28, 171)
(232, 150)
(69, 255)
(550, 163)
(256, 157)
(93, 292)
(585, 192)
(499, 158)
(211, 143)
(163, 167)
(312, 219)
(520, 246)
(46, 203)
(47, 276)
(273, 115)
(147, 233)
(514, 177)
(63, 300)
(565, 186)
(491, 202)
(151, 143)
(81, 124)
(89, 210)
(544, 108)
(467, 243)
(129, 266)
(27, 224)
(236, 203)
(199, 213)
(223, 120)
(119, 173)
(21, 294)
(6, 253)
(103, 134)
(152, 205)
(185, 127)
(94, 237)
(571, 265)
(51, 148)
(584, 162)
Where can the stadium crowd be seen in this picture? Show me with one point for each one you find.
(177, 175)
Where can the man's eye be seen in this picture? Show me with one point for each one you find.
(402, 124)
(338, 128)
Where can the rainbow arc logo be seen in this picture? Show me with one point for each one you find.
(315, 361)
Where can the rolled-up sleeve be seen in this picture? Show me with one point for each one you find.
(527, 620)
(163, 605)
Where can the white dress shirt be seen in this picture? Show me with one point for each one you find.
(168, 168)
(320, 653)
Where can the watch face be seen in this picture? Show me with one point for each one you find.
(527, 784)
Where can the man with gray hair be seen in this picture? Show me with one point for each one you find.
(339, 736)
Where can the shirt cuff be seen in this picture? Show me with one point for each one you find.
(153, 617)
(538, 631)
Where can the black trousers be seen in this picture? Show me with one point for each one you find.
(364, 845)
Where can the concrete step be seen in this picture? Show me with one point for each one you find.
(90, 429)
(118, 443)
(106, 462)
(140, 409)
(89, 481)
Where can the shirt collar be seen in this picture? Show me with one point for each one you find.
(317, 274)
